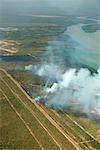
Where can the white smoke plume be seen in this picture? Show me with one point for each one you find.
(77, 90)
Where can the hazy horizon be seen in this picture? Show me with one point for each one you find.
(55, 7)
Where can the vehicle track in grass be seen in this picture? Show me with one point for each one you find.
(32, 112)
(26, 125)
(26, 104)
(42, 108)
(23, 111)
(82, 144)
(46, 115)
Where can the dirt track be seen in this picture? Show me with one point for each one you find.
(30, 131)
(44, 113)
(32, 112)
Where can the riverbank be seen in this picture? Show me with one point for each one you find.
(87, 50)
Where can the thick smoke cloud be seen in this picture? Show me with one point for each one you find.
(77, 90)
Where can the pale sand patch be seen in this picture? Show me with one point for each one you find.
(5, 44)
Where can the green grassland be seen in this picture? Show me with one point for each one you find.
(89, 125)
(69, 127)
(39, 132)
(69, 124)
(42, 136)
(13, 133)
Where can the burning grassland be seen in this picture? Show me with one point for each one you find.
(75, 90)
